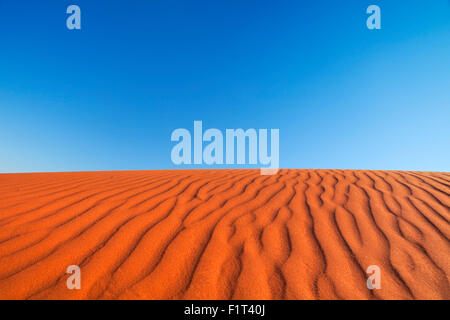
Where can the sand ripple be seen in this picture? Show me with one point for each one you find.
(225, 234)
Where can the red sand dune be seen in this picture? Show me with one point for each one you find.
(225, 234)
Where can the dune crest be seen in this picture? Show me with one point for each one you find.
(225, 234)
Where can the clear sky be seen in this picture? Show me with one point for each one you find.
(108, 96)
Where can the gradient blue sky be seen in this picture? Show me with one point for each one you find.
(107, 97)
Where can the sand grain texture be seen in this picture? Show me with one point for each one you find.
(225, 234)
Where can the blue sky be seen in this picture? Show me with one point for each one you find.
(108, 97)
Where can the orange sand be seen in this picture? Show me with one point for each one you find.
(225, 234)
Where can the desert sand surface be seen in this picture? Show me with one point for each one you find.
(225, 234)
